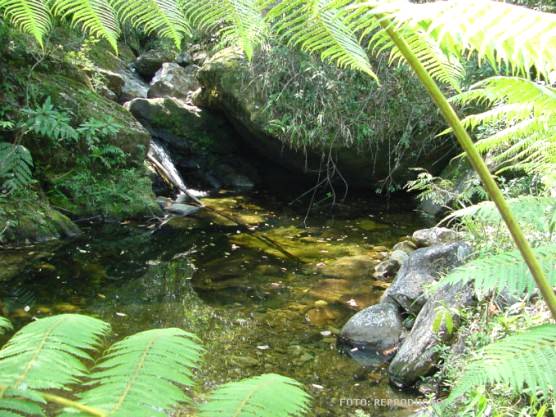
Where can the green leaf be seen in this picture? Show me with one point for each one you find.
(268, 395)
(30, 16)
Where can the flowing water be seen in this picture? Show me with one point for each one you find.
(265, 297)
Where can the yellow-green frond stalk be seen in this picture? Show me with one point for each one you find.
(30, 16)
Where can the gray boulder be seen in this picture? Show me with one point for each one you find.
(172, 80)
(134, 86)
(435, 236)
(421, 269)
(148, 63)
(377, 329)
(418, 353)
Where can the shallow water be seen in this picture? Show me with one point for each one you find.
(265, 297)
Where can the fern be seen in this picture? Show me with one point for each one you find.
(5, 325)
(162, 17)
(124, 379)
(521, 361)
(236, 21)
(30, 16)
(16, 164)
(504, 272)
(251, 398)
(95, 17)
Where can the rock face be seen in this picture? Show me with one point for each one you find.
(228, 86)
(422, 268)
(173, 80)
(418, 355)
(148, 63)
(376, 329)
(434, 236)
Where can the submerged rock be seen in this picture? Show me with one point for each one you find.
(173, 80)
(376, 329)
(422, 268)
(418, 354)
(349, 267)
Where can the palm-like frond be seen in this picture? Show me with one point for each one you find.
(238, 21)
(47, 353)
(500, 33)
(252, 397)
(523, 361)
(504, 272)
(16, 166)
(320, 26)
(163, 17)
(139, 376)
(5, 325)
(30, 16)
(95, 17)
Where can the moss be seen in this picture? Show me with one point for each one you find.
(29, 218)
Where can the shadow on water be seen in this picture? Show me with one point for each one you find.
(255, 309)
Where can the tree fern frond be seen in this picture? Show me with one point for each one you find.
(481, 27)
(504, 272)
(163, 17)
(522, 361)
(320, 26)
(46, 353)
(17, 407)
(16, 166)
(123, 381)
(96, 17)
(5, 325)
(252, 397)
(30, 16)
(237, 21)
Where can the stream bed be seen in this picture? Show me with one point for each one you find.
(268, 296)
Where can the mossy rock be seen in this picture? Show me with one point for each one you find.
(294, 110)
(30, 219)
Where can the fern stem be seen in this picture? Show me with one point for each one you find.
(477, 163)
(56, 399)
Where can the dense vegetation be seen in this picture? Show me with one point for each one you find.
(511, 114)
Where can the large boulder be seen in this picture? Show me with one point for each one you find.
(376, 329)
(172, 80)
(149, 62)
(421, 269)
(373, 134)
(418, 354)
(435, 236)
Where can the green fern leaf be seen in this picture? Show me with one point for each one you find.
(261, 396)
(504, 272)
(5, 325)
(16, 407)
(95, 17)
(163, 17)
(124, 379)
(30, 16)
(15, 166)
(46, 353)
(522, 361)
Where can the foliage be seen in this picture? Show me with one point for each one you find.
(46, 121)
(53, 352)
(16, 166)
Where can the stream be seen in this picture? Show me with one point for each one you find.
(256, 309)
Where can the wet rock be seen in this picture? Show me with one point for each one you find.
(422, 268)
(148, 63)
(349, 267)
(172, 80)
(133, 87)
(435, 236)
(330, 290)
(386, 269)
(320, 316)
(184, 59)
(399, 256)
(377, 329)
(113, 80)
(182, 209)
(418, 354)
(407, 246)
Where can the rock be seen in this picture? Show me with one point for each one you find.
(349, 267)
(148, 63)
(320, 316)
(418, 354)
(199, 57)
(182, 209)
(184, 59)
(133, 87)
(422, 268)
(435, 236)
(399, 256)
(229, 87)
(407, 246)
(114, 81)
(331, 290)
(386, 269)
(376, 329)
(173, 80)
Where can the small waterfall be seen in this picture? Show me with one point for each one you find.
(162, 160)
